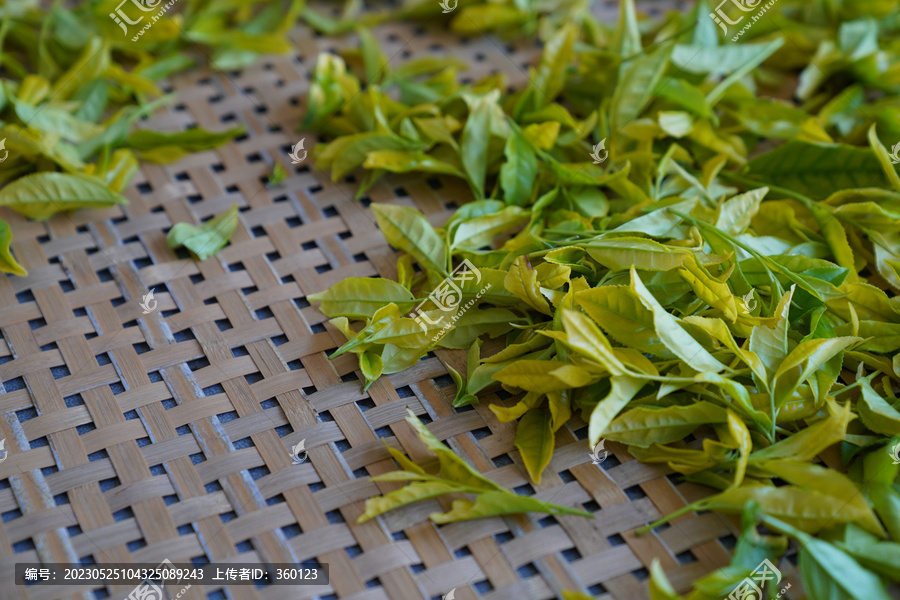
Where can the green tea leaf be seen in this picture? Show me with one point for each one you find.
(534, 440)
(42, 195)
(542, 376)
(884, 159)
(672, 335)
(205, 240)
(804, 360)
(371, 366)
(165, 148)
(404, 161)
(622, 391)
(551, 72)
(480, 231)
(360, 297)
(492, 504)
(809, 510)
(816, 169)
(8, 263)
(407, 230)
(522, 280)
(619, 310)
(455, 476)
(876, 413)
(474, 144)
(809, 442)
(406, 495)
(518, 174)
(643, 426)
(637, 80)
(830, 573)
(737, 213)
(622, 253)
(660, 588)
(753, 61)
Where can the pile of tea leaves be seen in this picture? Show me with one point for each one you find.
(670, 235)
(510, 19)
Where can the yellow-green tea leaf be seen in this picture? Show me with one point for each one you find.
(42, 195)
(206, 239)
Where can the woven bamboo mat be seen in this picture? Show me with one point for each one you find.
(137, 437)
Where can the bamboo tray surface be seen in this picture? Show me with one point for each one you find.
(137, 437)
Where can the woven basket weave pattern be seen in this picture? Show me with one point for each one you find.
(136, 437)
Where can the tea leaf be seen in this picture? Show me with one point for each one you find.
(407, 230)
(165, 148)
(42, 195)
(518, 174)
(455, 476)
(360, 297)
(207, 239)
(8, 263)
(816, 169)
(534, 440)
(474, 144)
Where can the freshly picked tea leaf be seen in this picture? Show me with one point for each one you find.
(454, 476)
(42, 195)
(206, 239)
(8, 263)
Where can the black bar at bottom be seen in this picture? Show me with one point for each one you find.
(172, 574)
